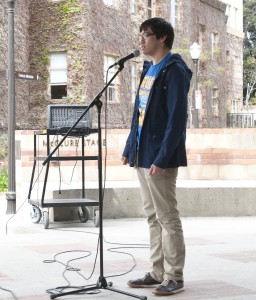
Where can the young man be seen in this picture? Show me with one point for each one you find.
(156, 146)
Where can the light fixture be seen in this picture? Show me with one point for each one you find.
(195, 51)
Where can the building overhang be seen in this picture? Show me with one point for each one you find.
(216, 4)
(235, 32)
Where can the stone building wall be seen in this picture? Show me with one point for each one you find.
(235, 37)
(197, 20)
(113, 31)
(56, 27)
(235, 72)
(87, 30)
(212, 71)
(3, 65)
(94, 30)
(21, 20)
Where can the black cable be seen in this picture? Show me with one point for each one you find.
(114, 249)
(38, 176)
(125, 246)
(9, 291)
(131, 246)
(58, 289)
(38, 173)
(68, 268)
(72, 174)
(67, 265)
(6, 225)
(36, 181)
(58, 155)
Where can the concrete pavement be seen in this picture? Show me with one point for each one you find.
(220, 260)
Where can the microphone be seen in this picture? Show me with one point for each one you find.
(135, 53)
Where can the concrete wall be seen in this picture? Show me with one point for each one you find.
(193, 201)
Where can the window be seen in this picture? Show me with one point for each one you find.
(228, 8)
(237, 68)
(134, 81)
(109, 2)
(202, 42)
(232, 14)
(58, 75)
(235, 16)
(215, 102)
(151, 8)
(174, 13)
(133, 7)
(111, 90)
(234, 106)
(214, 45)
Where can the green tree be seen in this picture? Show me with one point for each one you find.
(249, 50)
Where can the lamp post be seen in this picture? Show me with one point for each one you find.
(11, 194)
(195, 51)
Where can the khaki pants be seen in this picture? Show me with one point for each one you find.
(167, 248)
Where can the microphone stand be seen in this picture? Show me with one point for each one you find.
(102, 282)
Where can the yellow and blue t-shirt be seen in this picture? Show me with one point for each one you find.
(145, 89)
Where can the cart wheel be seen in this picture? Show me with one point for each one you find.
(83, 214)
(35, 214)
(96, 218)
(46, 219)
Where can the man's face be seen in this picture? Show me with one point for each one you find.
(149, 43)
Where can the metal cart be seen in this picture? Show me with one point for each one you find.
(81, 203)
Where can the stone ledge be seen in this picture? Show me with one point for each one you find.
(195, 200)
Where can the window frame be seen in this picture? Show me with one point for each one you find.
(109, 2)
(215, 101)
(234, 105)
(133, 7)
(112, 88)
(228, 10)
(214, 44)
(174, 13)
(151, 9)
(235, 16)
(61, 84)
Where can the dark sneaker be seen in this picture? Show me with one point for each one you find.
(169, 287)
(146, 281)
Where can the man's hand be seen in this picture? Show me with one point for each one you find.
(154, 170)
(124, 160)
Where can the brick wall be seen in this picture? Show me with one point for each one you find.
(213, 154)
(222, 154)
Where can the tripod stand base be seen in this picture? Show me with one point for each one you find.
(101, 284)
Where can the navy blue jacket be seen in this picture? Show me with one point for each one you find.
(163, 134)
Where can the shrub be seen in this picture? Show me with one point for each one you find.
(3, 146)
(3, 180)
(252, 101)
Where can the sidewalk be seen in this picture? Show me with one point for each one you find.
(220, 260)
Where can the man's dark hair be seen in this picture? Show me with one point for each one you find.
(161, 28)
